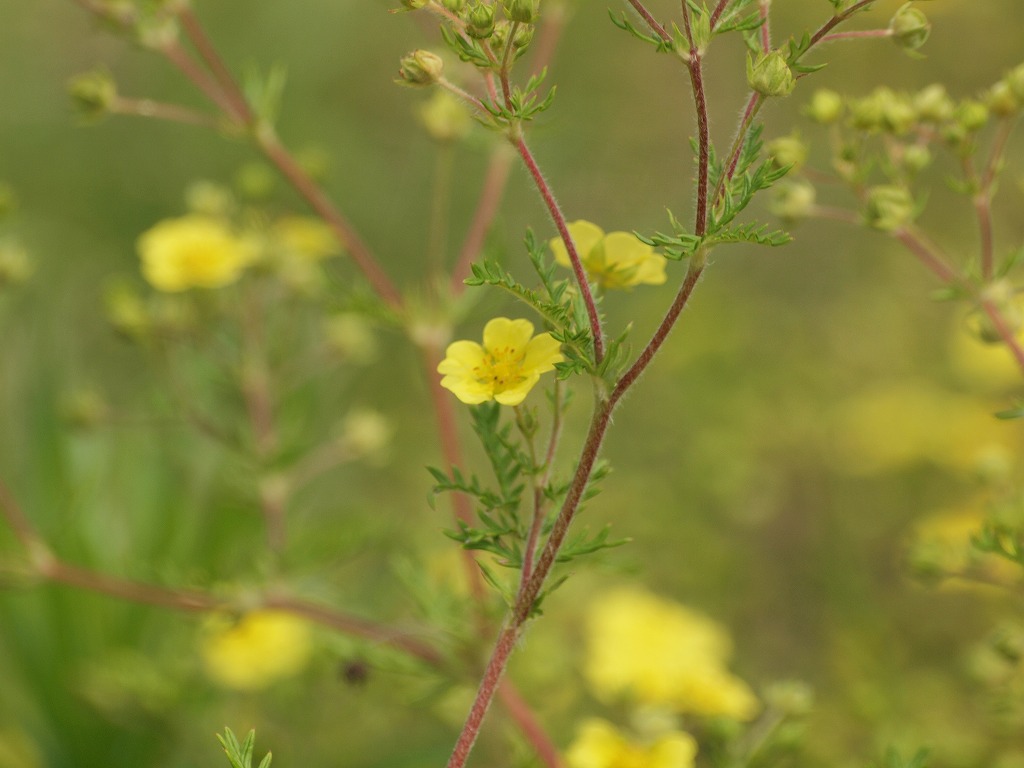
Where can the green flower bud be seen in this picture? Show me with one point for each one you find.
(445, 117)
(898, 115)
(421, 68)
(770, 75)
(933, 104)
(15, 265)
(255, 181)
(910, 27)
(93, 93)
(889, 208)
(788, 151)
(523, 11)
(971, 115)
(455, 6)
(867, 114)
(1001, 100)
(480, 21)
(792, 698)
(84, 409)
(209, 198)
(825, 107)
(916, 158)
(1015, 79)
(793, 200)
(414, 5)
(125, 310)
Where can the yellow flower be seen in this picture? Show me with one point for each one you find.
(193, 252)
(658, 652)
(599, 744)
(254, 651)
(897, 426)
(305, 237)
(615, 260)
(505, 368)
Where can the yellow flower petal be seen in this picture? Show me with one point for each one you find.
(542, 352)
(586, 236)
(193, 252)
(502, 333)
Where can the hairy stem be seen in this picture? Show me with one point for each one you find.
(563, 230)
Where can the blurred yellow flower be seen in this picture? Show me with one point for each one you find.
(893, 427)
(941, 545)
(305, 237)
(659, 652)
(193, 252)
(599, 744)
(505, 368)
(256, 650)
(990, 368)
(615, 260)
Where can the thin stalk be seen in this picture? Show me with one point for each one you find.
(563, 230)
(856, 34)
(717, 13)
(488, 202)
(766, 31)
(162, 111)
(984, 195)
(836, 20)
(203, 45)
(651, 22)
(360, 253)
(185, 64)
(440, 205)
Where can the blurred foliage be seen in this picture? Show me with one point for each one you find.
(814, 434)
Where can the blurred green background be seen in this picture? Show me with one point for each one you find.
(730, 476)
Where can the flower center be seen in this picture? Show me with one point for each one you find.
(502, 368)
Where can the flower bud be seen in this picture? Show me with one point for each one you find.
(84, 409)
(93, 93)
(125, 310)
(1001, 100)
(793, 200)
(15, 265)
(1015, 79)
(916, 158)
(788, 151)
(971, 115)
(480, 21)
(421, 68)
(792, 698)
(414, 5)
(455, 6)
(889, 208)
(523, 11)
(933, 104)
(825, 107)
(445, 117)
(770, 75)
(255, 181)
(365, 435)
(910, 27)
(209, 198)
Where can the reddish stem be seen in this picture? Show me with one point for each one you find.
(489, 199)
(321, 204)
(648, 17)
(563, 230)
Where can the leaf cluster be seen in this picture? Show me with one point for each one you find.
(240, 755)
(737, 190)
